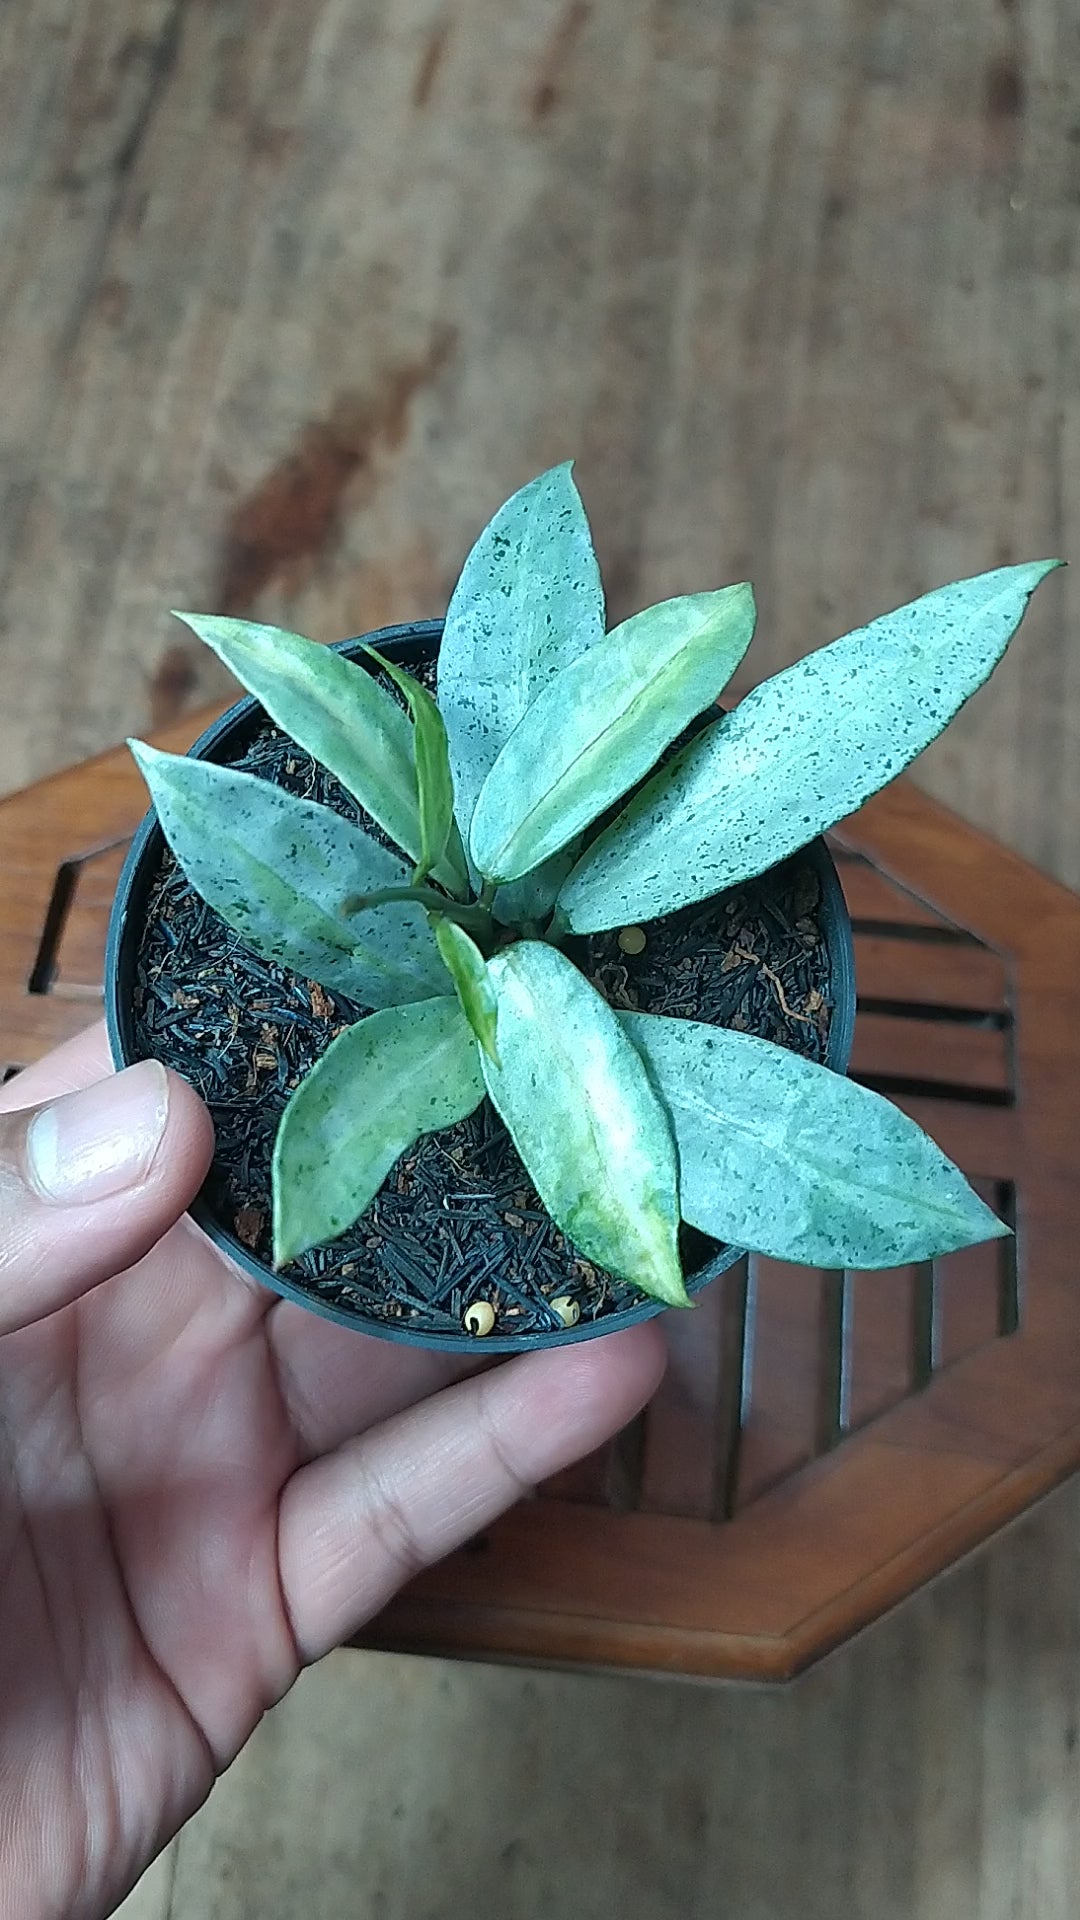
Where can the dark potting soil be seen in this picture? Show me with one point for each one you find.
(458, 1220)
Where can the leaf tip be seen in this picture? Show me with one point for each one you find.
(1038, 570)
(563, 474)
(998, 1229)
(143, 755)
(666, 1283)
(283, 1256)
(204, 626)
(978, 1223)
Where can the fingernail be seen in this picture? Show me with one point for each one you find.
(100, 1140)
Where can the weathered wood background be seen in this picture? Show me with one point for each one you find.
(291, 295)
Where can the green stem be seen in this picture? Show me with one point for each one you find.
(475, 920)
(487, 892)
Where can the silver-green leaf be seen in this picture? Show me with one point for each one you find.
(532, 897)
(468, 970)
(786, 1158)
(439, 838)
(799, 754)
(580, 1109)
(379, 1086)
(529, 601)
(340, 714)
(596, 729)
(277, 870)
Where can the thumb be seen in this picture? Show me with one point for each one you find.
(89, 1183)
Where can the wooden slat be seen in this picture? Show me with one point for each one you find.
(870, 896)
(789, 1328)
(80, 951)
(680, 1462)
(969, 1300)
(100, 871)
(65, 818)
(971, 1291)
(930, 973)
(880, 1350)
(932, 1050)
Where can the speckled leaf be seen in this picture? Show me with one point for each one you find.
(439, 836)
(533, 896)
(468, 970)
(529, 601)
(799, 754)
(579, 1106)
(596, 729)
(781, 1156)
(277, 870)
(340, 714)
(378, 1087)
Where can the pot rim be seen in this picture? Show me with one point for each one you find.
(125, 923)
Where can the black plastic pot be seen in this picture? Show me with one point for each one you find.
(225, 742)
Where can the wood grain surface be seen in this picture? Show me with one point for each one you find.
(290, 298)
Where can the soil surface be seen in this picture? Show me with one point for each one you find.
(458, 1221)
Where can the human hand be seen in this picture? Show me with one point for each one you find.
(202, 1488)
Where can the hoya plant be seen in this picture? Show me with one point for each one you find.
(533, 801)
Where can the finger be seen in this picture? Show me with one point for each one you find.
(89, 1182)
(74, 1064)
(357, 1524)
(336, 1383)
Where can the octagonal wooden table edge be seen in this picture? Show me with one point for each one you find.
(845, 1537)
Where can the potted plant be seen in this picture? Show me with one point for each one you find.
(513, 969)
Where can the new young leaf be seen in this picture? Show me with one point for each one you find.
(781, 1156)
(468, 970)
(529, 601)
(378, 1087)
(435, 789)
(801, 752)
(600, 724)
(275, 868)
(579, 1106)
(340, 714)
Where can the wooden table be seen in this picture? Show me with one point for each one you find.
(823, 1443)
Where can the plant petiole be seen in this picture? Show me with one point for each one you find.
(476, 920)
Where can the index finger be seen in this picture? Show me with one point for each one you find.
(355, 1525)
